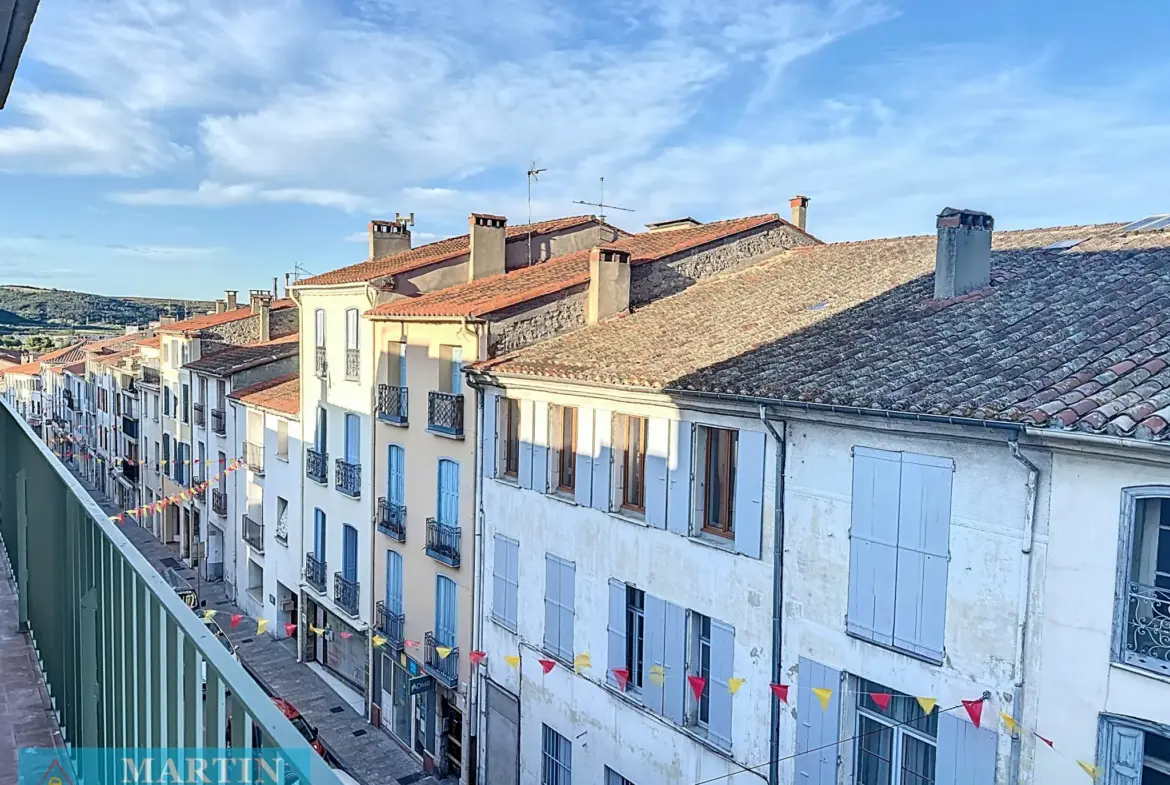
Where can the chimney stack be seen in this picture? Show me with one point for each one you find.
(231, 299)
(262, 306)
(286, 292)
(609, 284)
(799, 205)
(963, 258)
(487, 233)
(220, 306)
(389, 237)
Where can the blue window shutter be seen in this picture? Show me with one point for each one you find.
(873, 544)
(817, 730)
(653, 652)
(678, 501)
(966, 754)
(318, 535)
(568, 575)
(456, 370)
(504, 579)
(552, 595)
(603, 458)
(491, 405)
(353, 438)
(540, 446)
(749, 493)
(321, 443)
(674, 647)
(923, 546)
(396, 482)
(525, 478)
(584, 466)
(394, 581)
(349, 554)
(448, 492)
(514, 582)
(657, 453)
(1124, 755)
(722, 669)
(402, 364)
(444, 611)
(617, 630)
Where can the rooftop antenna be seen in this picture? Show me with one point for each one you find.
(533, 176)
(601, 206)
(298, 271)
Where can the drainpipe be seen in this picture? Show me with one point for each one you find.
(777, 598)
(1025, 597)
(477, 588)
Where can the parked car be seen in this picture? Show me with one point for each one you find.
(298, 721)
(222, 637)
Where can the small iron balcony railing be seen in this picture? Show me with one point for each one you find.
(445, 413)
(320, 366)
(390, 624)
(150, 375)
(199, 411)
(315, 572)
(443, 542)
(353, 364)
(218, 421)
(315, 466)
(348, 478)
(1147, 631)
(445, 669)
(391, 519)
(254, 457)
(218, 502)
(346, 594)
(130, 428)
(254, 534)
(392, 404)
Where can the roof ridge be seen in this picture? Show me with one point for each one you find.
(1105, 227)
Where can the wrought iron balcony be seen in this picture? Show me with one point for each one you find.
(443, 542)
(390, 624)
(346, 594)
(150, 375)
(445, 669)
(218, 502)
(316, 466)
(348, 478)
(1147, 630)
(353, 364)
(67, 397)
(218, 421)
(392, 404)
(391, 519)
(130, 471)
(445, 413)
(254, 457)
(130, 427)
(320, 366)
(200, 414)
(254, 534)
(315, 572)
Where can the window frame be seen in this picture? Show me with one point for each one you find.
(624, 422)
(553, 770)
(511, 440)
(698, 644)
(511, 623)
(282, 440)
(635, 616)
(708, 436)
(862, 710)
(564, 456)
(559, 651)
(1130, 497)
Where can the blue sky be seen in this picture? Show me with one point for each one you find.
(171, 148)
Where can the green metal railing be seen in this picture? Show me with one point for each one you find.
(127, 664)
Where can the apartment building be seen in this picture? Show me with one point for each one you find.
(340, 365)
(22, 386)
(150, 392)
(427, 431)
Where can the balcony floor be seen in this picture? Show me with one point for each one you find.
(26, 719)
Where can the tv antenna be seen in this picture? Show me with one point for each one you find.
(533, 176)
(298, 271)
(602, 207)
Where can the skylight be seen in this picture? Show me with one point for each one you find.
(1148, 224)
(1061, 245)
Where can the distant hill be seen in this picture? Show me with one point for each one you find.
(29, 306)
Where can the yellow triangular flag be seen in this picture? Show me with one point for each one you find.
(1009, 721)
(261, 626)
(657, 675)
(209, 614)
(927, 704)
(1089, 768)
(316, 630)
(582, 661)
(443, 651)
(824, 695)
(379, 641)
(512, 660)
(733, 684)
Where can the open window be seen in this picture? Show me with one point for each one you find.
(1143, 635)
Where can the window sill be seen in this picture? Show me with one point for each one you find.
(503, 624)
(700, 735)
(458, 437)
(1140, 671)
(566, 662)
(712, 541)
(282, 458)
(564, 497)
(628, 518)
(511, 482)
(933, 659)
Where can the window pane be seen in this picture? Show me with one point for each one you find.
(512, 438)
(875, 746)
(917, 761)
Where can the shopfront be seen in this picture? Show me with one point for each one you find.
(341, 648)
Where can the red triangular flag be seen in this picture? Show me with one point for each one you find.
(1046, 741)
(974, 710)
(780, 691)
(476, 657)
(623, 677)
(236, 619)
(698, 684)
(548, 665)
(290, 629)
(345, 635)
(882, 699)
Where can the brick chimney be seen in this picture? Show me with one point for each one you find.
(231, 299)
(963, 259)
(220, 306)
(799, 205)
(262, 306)
(487, 234)
(389, 237)
(609, 284)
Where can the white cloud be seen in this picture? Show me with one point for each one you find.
(213, 194)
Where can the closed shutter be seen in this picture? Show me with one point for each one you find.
(489, 449)
(749, 493)
(966, 754)
(583, 469)
(653, 653)
(319, 535)
(353, 438)
(255, 427)
(321, 438)
(674, 660)
(552, 598)
(540, 446)
(393, 581)
(456, 370)
(923, 546)
(504, 579)
(444, 611)
(525, 478)
(349, 554)
(873, 552)
(817, 730)
(678, 502)
(396, 482)
(319, 327)
(351, 328)
(657, 452)
(402, 364)
(448, 492)
(616, 630)
(568, 575)
(722, 669)
(603, 458)
(1125, 755)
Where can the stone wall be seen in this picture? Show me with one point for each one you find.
(671, 275)
(247, 330)
(520, 325)
(264, 372)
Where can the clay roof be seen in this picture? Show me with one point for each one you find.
(66, 354)
(486, 295)
(239, 358)
(27, 369)
(433, 253)
(97, 347)
(113, 358)
(77, 369)
(281, 395)
(1069, 338)
(206, 321)
(153, 341)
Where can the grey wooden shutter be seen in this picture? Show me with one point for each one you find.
(722, 669)
(966, 754)
(552, 594)
(1124, 755)
(749, 493)
(873, 544)
(657, 452)
(568, 575)
(678, 502)
(583, 473)
(540, 446)
(499, 573)
(525, 444)
(617, 630)
(674, 660)
(491, 406)
(817, 729)
(603, 458)
(924, 523)
(513, 579)
(653, 651)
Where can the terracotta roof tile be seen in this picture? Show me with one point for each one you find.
(239, 358)
(70, 353)
(152, 342)
(477, 298)
(27, 369)
(108, 343)
(281, 395)
(209, 320)
(433, 253)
